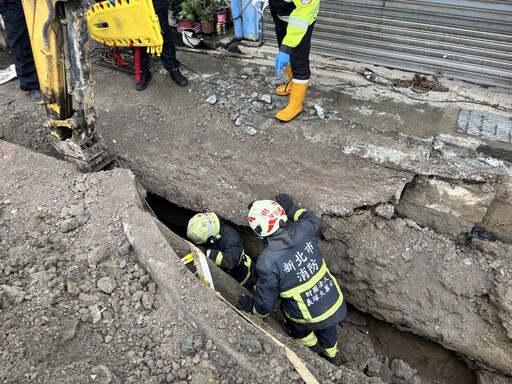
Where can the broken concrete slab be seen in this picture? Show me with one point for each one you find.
(360, 155)
(454, 294)
(131, 339)
(447, 208)
(498, 219)
(184, 293)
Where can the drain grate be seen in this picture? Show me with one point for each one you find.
(486, 125)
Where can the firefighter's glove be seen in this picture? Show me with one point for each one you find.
(284, 201)
(245, 303)
(282, 60)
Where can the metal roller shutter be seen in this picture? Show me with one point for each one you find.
(469, 40)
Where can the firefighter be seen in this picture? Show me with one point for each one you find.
(291, 267)
(223, 246)
(294, 21)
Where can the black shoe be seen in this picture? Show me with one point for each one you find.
(37, 96)
(178, 77)
(331, 360)
(144, 81)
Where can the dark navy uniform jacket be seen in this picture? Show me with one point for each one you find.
(292, 268)
(227, 251)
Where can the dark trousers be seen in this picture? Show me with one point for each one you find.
(168, 55)
(19, 41)
(299, 59)
(327, 338)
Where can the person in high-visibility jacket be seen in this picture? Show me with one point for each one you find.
(294, 21)
(292, 268)
(223, 245)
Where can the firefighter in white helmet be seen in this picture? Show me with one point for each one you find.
(223, 245)
(292, 268)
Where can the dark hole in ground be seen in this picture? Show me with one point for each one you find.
(172, 215)
(500, 153)
(430, 359)
(176, 219)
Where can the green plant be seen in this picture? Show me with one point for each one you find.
(174, 6)
(223, 3)
(207, 13)
(189, 9)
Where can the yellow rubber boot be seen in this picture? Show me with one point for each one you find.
(294, 107)
(285, 89)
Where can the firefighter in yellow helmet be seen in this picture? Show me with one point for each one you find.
(223, 245)
(294, 21)
(291, 268)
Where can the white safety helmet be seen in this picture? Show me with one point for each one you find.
(265, 217)
(190, 39)
(202, 226)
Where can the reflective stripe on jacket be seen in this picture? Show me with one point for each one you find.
(226, 248)
(291, 267)
(299, 15)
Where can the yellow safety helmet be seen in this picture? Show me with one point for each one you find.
(202, 226)
(265, 217)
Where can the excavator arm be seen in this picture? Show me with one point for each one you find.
(59, 37)
(60, 44)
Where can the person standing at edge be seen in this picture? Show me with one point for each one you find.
(168, 56)
(19, 41)
(294, 21)
(292, 268)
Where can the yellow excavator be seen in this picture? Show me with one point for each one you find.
(59, 32)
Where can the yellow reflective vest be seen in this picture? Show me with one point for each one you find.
(299, 14)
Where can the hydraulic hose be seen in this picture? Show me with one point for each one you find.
(48, 22)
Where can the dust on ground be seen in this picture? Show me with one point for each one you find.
(76, 307)
(77, 311)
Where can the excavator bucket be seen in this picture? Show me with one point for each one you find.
(60, 45)
(126, 23)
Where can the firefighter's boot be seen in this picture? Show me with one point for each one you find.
(284, 90)
(294, 107)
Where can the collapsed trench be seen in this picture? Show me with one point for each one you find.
(433, 362)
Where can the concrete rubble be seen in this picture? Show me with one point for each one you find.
(417, 215)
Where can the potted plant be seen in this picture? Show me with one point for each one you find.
(188, 13)
(206, 17)
(222, 11)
